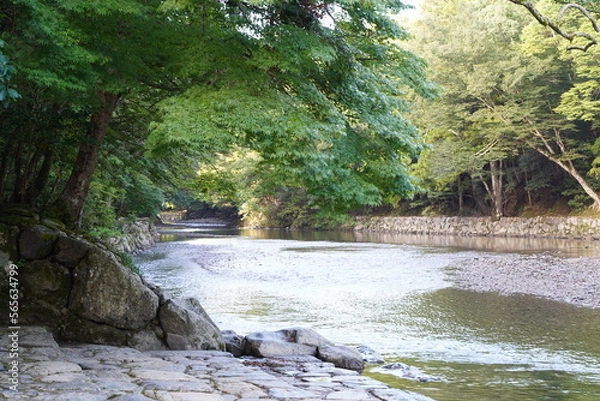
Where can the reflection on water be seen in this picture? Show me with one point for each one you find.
(394, 297)
(558, 246)
(555, 246)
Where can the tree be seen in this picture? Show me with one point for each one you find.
(506, 84)
(76, 60)
(7, 94)
(317, 90)
(472, 49)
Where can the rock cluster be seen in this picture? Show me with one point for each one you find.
(138, 234)
(296, 341)
(85, 372)
(82, 292)
(544, 226)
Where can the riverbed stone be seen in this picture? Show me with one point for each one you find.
(394, 394)
(234, 343)
(342, 357)
(106, 292)
(292, 341)
(187, 326)
(407, 372)
(370, 356)
(79, 373)
(46, 368)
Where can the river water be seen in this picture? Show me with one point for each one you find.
(393, 293)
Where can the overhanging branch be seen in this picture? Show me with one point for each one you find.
(555, 24)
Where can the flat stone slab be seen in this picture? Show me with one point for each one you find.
(86, 372)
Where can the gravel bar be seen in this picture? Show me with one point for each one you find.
(571, 280)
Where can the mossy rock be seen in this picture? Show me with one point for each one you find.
(17, 209)
(36, 242)
(47, 282)
(16, 220)
(54, 225)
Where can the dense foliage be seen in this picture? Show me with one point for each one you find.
(516, 126)
(296, 112)
(122, 101)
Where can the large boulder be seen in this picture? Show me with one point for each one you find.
(294, 341)
(187, 326)
(70, 251)
(77, 329)
(342, 357)
(37, 242)
(106, 292)
(45, 287)
(147, 340)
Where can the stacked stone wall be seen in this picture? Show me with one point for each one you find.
(82, 292)
(536, 227)
(137, 235)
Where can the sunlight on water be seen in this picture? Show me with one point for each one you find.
(395, 298)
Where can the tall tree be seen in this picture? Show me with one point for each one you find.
(318, 90)
(471, 48)
(75, 60)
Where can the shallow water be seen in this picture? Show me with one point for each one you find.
(396, 298)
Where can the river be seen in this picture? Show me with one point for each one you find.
(393, 294)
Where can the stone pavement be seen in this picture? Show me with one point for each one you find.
(48, 372)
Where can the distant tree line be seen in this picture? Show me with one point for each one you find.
(515, 129)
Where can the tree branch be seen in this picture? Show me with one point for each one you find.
(555, 24)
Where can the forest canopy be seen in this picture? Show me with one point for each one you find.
(121, 102)
(298, 112)
(515, 130)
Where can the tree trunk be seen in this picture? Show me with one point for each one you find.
(479, 196)
(496, 171)
(19, 181)
(69, 205)
(38, 183)
(4, 169)
(495, 193)
(460, 196)
(570, 168)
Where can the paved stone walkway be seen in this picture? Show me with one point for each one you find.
(49, 372)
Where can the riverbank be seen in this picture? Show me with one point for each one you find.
(34, 367)
(572, 280)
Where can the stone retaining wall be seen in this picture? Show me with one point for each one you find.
(82, 292)
(542, 227)
(172, 216)
(138, 235)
